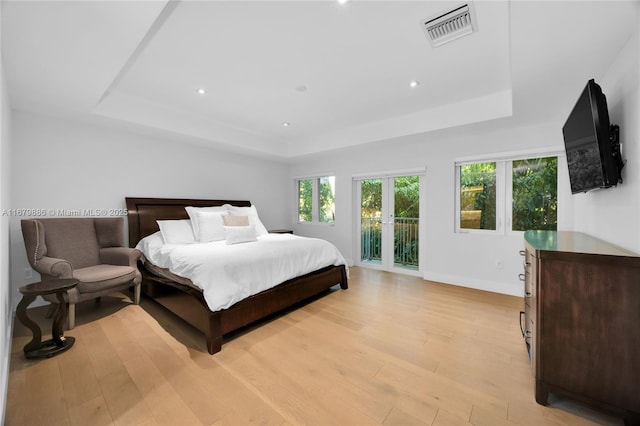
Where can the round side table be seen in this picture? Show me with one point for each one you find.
(36, 348)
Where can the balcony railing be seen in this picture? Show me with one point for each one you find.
(405, 241)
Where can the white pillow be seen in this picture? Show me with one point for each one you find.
(176, 231)
(210, 226)
(191, 211)
(252, 213)
(240, 234)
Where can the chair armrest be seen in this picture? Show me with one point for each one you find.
(123, 256)
(54, 267)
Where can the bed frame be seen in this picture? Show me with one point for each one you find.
(188, 302)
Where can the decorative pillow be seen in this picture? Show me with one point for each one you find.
(176, 231)
(210, 225)
(191, 211)
(252, 213)
(236, 220)
(240, 234)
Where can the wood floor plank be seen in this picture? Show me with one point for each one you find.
(163, 403)
(326, 381)
(444, 418)
(16, 398)
(44, 385)
(92, 412)
(400, 418)
(198, 395)
(392, 349)
(270, 374)
(78, 377)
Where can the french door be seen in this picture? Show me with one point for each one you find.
(388, 222)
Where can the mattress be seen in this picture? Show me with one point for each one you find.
(228, 273)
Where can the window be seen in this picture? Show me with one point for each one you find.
(478, 196)
(305, 200)
(316, 199)
(327, 199)
(486, 189)
(534, 188)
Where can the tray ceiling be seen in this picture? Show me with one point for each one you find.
(337, 74)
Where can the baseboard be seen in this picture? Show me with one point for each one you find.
(4, 367)
(471, 282)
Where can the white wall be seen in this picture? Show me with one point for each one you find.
(61, 164)
(6, 311)
(463, 259)
(614, 214)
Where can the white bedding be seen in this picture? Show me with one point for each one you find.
(230, 273)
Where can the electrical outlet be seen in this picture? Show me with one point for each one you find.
(28, 273)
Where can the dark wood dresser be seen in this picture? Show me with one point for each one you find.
(582, 320)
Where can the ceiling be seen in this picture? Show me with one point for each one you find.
(338, 74)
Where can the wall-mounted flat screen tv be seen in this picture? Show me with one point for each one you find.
(591, 143)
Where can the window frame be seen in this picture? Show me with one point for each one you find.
(504, 189)
(315, 198)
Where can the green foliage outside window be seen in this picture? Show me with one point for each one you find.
(478, 196)
(325, 205)
(371, 200)
(327, 199)
(535, 194)
(305, 200)
(406, 201)
(407, 196)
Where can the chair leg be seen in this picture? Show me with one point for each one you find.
(136, 294)
(72, 315)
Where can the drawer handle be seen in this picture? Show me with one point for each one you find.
(522, 314)
(521, 277)
(527, 294)
(527, 333)
(523, 253)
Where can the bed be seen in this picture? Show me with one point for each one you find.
(187, 301)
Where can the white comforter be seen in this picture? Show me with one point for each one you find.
(230, 273)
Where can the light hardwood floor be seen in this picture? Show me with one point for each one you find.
(392, 349)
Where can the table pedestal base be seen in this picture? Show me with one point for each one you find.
(49, 348)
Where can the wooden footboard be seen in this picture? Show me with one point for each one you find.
(189, 304)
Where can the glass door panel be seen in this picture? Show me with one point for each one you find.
(371, 221)
(406, 223)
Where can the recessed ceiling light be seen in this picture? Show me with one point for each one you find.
(342, 1)
(201, 91)
(285, 124)
(414, 83)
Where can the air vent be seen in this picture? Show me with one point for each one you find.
(448, 26)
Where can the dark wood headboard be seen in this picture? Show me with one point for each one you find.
(143, 213)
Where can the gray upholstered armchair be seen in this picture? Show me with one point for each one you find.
(90, 250)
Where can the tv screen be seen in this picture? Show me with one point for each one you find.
(591, 156)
